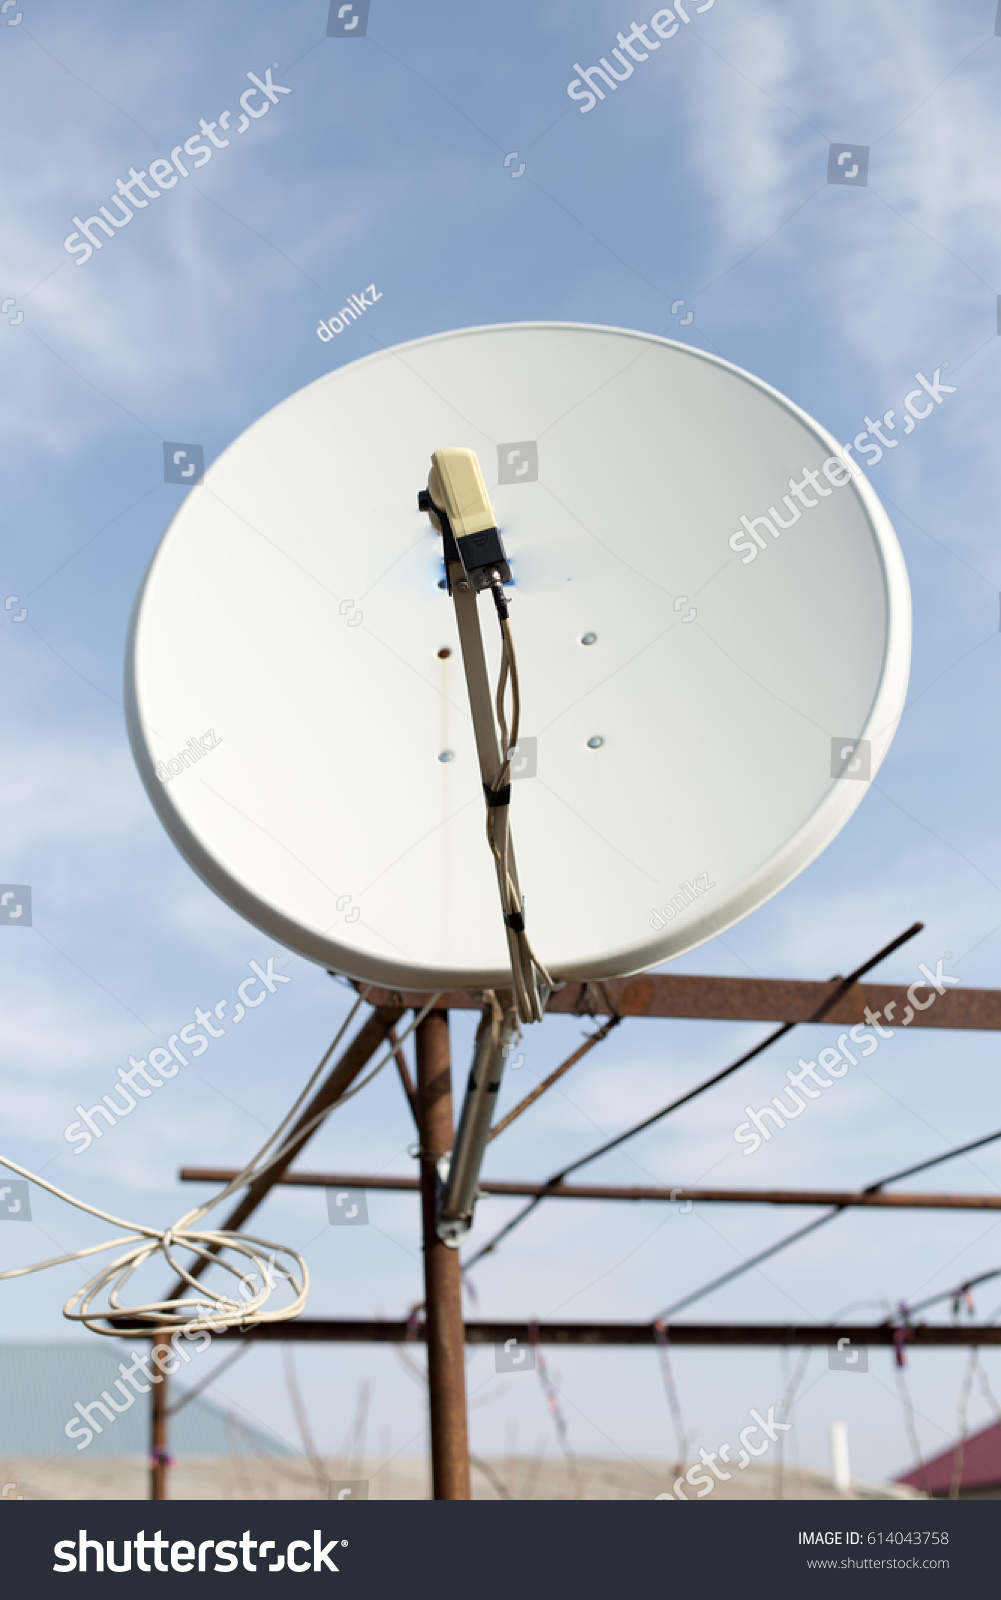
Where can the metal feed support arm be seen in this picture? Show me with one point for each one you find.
(459, 1172)
(457, 503)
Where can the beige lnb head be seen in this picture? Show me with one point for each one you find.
(456, 484)
(457, 502)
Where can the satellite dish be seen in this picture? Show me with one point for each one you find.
(712, 664)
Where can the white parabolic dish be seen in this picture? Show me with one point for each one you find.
(286, 674)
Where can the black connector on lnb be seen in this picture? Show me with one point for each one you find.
(483, 558)
(500, 598)
(439, 520)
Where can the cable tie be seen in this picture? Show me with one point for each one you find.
(498, 797)
(515, 920)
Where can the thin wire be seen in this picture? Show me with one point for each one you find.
(745, 1266)
(213, 1377)
(872, 1188)
(301, 1418)
(987, 1391)
(844, 985)
(493, 1478)
(962, 1408)
(952, 1294)
(204, 1309)
(958, 1150)
(793, 1379)
(912, 1433)
(552, 1400)
(359, 1430)
(674, 1404)
(523, 957)
(230, 1424)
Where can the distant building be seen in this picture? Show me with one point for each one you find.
(976, 1463)
(41, 1384)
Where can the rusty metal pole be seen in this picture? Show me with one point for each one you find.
(158, 1457)
(442, 1277)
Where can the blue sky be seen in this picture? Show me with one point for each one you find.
(703, 178)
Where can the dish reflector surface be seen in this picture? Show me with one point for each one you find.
(691, 716)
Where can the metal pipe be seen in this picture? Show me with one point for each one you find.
(341, 1330)
(906, 1200)
(668, 994)
(460, 1179)
(443, 1327)
(159, 1460)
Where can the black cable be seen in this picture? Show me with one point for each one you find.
(745, 1266)
(922, 1166)
(829, 1216)
(821, 1012)
(954, 1294)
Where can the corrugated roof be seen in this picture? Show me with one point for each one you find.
(40, 1383)
(981, 1465)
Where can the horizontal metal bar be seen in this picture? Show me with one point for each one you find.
(604, 1191)
(343, 1330)
(744, 1000)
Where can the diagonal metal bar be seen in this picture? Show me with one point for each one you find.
(409, 1087)
(842, 988)
(555, 1076)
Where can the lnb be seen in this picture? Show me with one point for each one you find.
(458, 505)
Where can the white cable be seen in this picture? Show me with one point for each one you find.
(203, 1308)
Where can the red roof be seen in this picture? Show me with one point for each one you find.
(981, 1465)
